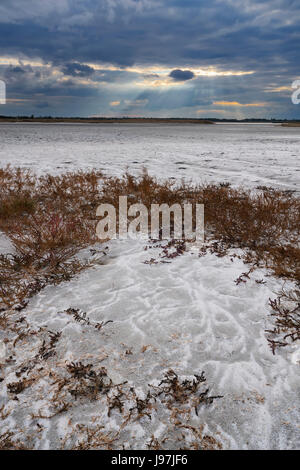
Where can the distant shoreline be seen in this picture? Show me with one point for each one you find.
(128, 120)
(107, 120)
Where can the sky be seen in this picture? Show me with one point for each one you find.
(153, 58)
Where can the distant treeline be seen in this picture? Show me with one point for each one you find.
(126, 119)
(103, 120)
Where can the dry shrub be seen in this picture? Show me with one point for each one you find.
(195, 439)
(8, 441)
(286, 311)
(23, 193)
(173, 390)
(50, 218)
(94, 438)
(265, 223)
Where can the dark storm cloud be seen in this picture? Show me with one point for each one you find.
(181, 75)
(128, 31)
(77, 70)
(17, 70)
(234, 35)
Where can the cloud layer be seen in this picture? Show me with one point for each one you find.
(164, 57)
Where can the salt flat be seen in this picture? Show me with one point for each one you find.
(247, 154)
(189, 313)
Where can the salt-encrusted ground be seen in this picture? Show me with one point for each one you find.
(248, 154)
(187, 315)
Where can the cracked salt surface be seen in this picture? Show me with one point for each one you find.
(187, 315)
